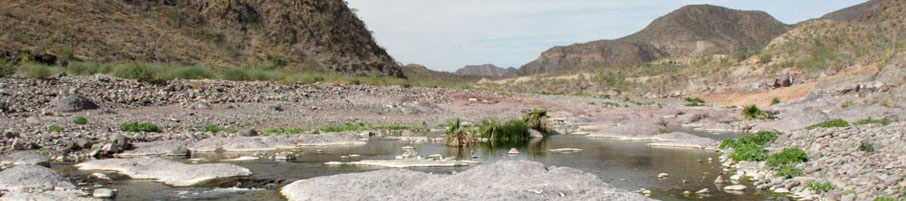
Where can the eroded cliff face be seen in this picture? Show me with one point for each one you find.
(322, 35)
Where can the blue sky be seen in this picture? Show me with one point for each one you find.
(448, 34)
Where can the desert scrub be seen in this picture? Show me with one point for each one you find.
(788, 156)
(789, 171)
(775, 101)
(211, 128)
(664, 131)
(829, 124)
(752, 112)
(510, 133)
(537, 119)
(139, 127)
(883, 121)
(820, 187)
(457, 135)
(80, 120)
(55, 129)
(866, 147)
(361, 126)
(694, 102)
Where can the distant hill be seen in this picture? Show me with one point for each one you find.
(486, 70)
(690, 30)
(422, 74)
(321, 35)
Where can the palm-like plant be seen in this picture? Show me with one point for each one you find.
(457, 136)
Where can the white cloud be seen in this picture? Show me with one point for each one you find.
(448, 34)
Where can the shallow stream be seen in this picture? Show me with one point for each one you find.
(626, 165)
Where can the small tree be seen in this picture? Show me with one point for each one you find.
(457, 136)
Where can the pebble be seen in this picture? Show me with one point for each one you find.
(103, 193)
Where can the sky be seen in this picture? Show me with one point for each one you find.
(448, 34)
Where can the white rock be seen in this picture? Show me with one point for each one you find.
(513, 151)
(703, 191)
(167, 171)
(662, 175)
(735, 188)
(333, 163)
(103, 193)
(101, 176)
(781, 190)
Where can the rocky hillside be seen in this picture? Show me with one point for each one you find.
(318, 35)
(486, 70)
(691, 30)
(856, 12)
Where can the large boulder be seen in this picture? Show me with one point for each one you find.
(32, 177)
(73, 103)
(24, 158)
(504, 180)
(167, 171)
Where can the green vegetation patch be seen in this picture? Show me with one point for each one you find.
(749, 152)
(537, 119)
(211, 128)
(498, 133)
(789, 171)
(139, 127)
(834, 123)
(752, 112)
(820, 187)
(694, 102)
(883, 121)
(775, 101)
(361, 127)
(55, 128)
(282, 131)
(847, 104)
(6, 70)
(80, 120)
(759, 138)
(788, 156)
(457, 135)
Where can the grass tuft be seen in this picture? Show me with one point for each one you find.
(820, 187)
(788, 156)
(55, 129)
(883, 121)
(80, 120)
(789, 171)
(694, 102)
(834, 123)
(752, 112)
(211, 128)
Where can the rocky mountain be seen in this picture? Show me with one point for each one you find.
(486, 70)
(856, 12)
(420, 72)
(688, 31)
(319, 35)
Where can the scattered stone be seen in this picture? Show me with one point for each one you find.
(285, 156)
(166, 171)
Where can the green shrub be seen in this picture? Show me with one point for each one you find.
(190, 73)
(211, 128)
(139, 127)
(884, 121)
(765, 58)
(830, 124)
(138, 72)
(788, 156)
(282, 131)
(749, 152)
(36, 71)
(537, 119)
(820, 187)
(847, 104)
(82, 68)
(775, 101)
(6, 70)
(235, 74)
(80, 120)
(759, 138)
(694, 102)
(751, 112)
(789, 171)
(55, 128)
(882, 198)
